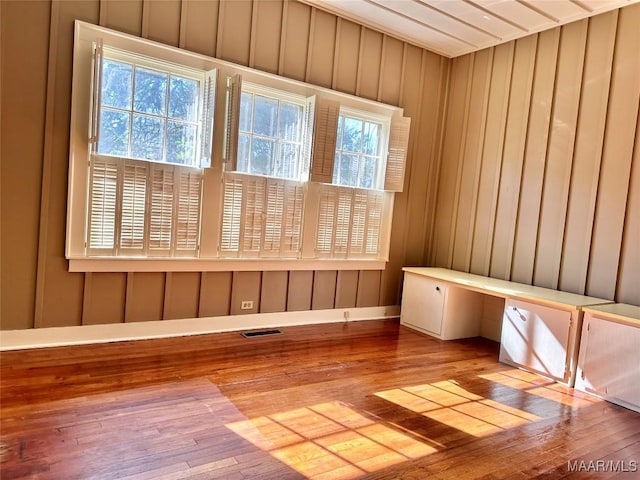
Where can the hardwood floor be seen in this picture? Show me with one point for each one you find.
(367, 400)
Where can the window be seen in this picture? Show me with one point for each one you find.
(150, 110)
(358, 158)
(270, 133)
(293, 176)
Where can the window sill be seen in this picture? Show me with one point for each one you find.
(112, 264)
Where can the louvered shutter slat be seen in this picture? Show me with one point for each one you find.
(161, 208)
(188, 225)
(273, 217)
(134, 191)
(208, 107)
(358, 222)
(324, 139)
(234, 91)
(103, 201)
(254, 197)
(396, 159)
(343, 222)
(231, 215)
(374, 222)
(326, 221)
(292, 231)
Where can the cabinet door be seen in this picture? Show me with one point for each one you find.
(610, 361)
(423, 304)
(536, 337)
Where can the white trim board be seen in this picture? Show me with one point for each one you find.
(118, 332)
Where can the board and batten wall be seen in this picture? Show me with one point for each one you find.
(285, 37)
(540, 175)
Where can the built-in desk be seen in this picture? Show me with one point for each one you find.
(609, 360)
(540, 327)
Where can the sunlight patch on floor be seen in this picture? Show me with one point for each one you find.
(330, 440)
(542, 387)
(450, 404)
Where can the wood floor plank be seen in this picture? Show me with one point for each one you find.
(370, 400)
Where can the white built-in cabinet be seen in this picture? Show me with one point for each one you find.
(609, 360)
(539, 338)
(540, 327)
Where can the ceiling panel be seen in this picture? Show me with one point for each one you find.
(456, 27)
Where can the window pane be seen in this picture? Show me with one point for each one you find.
(371, 138)
(262, 156)
(246, 106)
(287, 160)
(352, 134)
(243, 152)
(368, 172)
(265, 116)
(289, 128)
(116, 84)
(183, 98)
(181, 140)
(148, 135)
(349, 170)
(114, 132)
(150, 91)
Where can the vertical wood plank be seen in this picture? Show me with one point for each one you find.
(324, 289)
(368, 293)
(594, 100)
(451, 158)
(161, 21)
(617, 154)
(346, 289)
(145, 296)
(265, 35)
(199, 26)
(215, 294)
(512, 157)
(369, 64)
(345, 63)
(628, 286)
(124, 16)
(472, 151)
(24, 69)
(245, 286)
(234, 31)
(300, 290)
(273, 297)
(491, 159)
(321, 49)
(293, 53)
(104, 298)
(555, 190)
(182, 297)
(391, 74)
(534, 158)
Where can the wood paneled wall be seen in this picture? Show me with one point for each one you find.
(278, 36)
(540, 181)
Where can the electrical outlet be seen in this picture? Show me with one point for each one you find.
(246, 305)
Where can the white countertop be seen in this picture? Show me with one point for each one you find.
(620, 312)
(507, 289)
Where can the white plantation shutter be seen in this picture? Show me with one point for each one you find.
(187, 233)
(96, 91)
(102, 206)
(161, 202)
(349, 222)
(307, 131)
(324, 139)
(292, 223)
(396, 159)
(253, 216)
(134, 194)
(234, 91)
(273, 217)
(231, 215)
(261, 217)
(208, 107)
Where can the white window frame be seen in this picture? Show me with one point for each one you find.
(209, 257)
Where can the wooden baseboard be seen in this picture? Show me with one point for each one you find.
(118, 332)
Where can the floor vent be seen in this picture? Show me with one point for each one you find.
(261, 333)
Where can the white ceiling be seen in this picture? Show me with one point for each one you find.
(456, 27)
